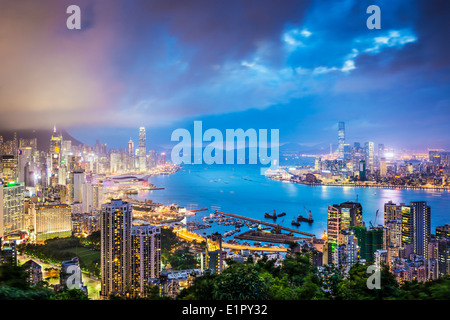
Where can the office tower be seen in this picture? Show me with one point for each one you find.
(93, 197)
(362, 170)
(12, 210)
(421, 227)
(152, 159)
(383, 167)
(55, 157)
(9, 167)
(130, 155)
(145, 257)
(142, 150)
(317, 164)
(131, 148)
(115, 233)
(114, 162)
(66, 148)
(49, 221)
(347, 152)
(392, 211)
(76, 181)
(341, 140)
(380, 150)
(370, 156)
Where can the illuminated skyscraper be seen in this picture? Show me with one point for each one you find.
(12, 210)
(421, 227)
(145, 257)
(55, 157)
(130, 155)
(370, 156)
(50, 221)
(142, 150)
(115, 232)
(341, 140)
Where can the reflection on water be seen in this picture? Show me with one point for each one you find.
(248, 193)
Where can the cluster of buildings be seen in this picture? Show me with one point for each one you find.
(403, 243)
(51, 193)
(372, 163)
(59, 192)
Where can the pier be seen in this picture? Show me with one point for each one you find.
(274, 225)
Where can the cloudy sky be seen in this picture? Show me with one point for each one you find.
(293, 65)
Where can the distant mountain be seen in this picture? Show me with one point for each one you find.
(43, 137)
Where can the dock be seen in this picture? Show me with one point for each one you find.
(268, 237)
(274, 225)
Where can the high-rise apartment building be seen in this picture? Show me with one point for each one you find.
(145, 257)
(421, 226)
(392, 211)
(115, 230)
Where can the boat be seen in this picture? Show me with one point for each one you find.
(301, 218)
(270, 216)
(281, 214)
(295, 223)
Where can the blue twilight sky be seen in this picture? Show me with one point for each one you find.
(293, 65)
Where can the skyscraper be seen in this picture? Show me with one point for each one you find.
(115, 231)
(370, 156)
(421, 227)
(142, 150)
(55, 157)
(145, 257)
(12, 197)
(341, 140)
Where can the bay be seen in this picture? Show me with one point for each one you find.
(242, 190)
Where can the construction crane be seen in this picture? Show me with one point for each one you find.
(277, 229)
(375, 221)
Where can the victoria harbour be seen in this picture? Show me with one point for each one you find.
(240, 189)
(218, 151)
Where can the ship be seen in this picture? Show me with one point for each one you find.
(281, 214)
(295, 223)
(301, 218)
(270, 216)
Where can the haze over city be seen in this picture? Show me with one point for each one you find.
(299, 67)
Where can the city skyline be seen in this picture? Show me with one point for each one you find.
(300, 68)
